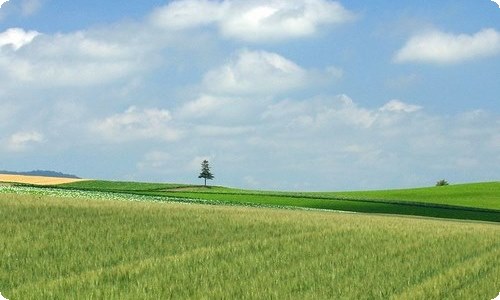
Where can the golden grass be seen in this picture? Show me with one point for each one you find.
(37, 180)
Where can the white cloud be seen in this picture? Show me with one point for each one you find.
(75, 59)
(205, 105)
(20, 141)
(215, 110)
(236, 93)
(398, 106)
(349, 113)
(17, 37)
(2, 2)
(134, 124)
(188, 13)
(321, 113)
(256, 72)
(447, 48)
(339, 112)
(254, 21)
(341, 139)
(497, 3)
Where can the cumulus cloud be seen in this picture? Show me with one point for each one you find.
(339, 111)
(74, 59)
(214, 110)
(253, 21)
(135, 124)
(204, 106)
(238, 90)
(17, 37)
(256, 72)
(189, 13)
(20, 141)
(2, 2)
(399, 106)
(447, 48)
(321, 112)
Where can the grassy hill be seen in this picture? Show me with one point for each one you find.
(477, 201)
(82, 248)
(482, 195)
(474, 201)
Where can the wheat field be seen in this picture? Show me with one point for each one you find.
(36, 180)
(80, 248)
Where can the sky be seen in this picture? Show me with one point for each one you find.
(278, 95)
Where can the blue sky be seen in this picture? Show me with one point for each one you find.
(297, 95)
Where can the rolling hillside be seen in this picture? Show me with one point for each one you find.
(474, 201)
(478, 201)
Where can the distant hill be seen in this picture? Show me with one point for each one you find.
(44, 173)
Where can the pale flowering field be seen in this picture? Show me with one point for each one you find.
(93, 195)
(69, 244)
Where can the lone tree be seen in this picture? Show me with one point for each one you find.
(205, 172)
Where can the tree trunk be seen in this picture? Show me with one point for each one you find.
(205, 182)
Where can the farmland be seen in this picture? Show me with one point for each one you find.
(127, 240)
(60, 244)
(477, 201)
(38, 180)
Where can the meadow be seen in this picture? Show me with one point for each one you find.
(67, 244)
(481, 195)
(476, 201)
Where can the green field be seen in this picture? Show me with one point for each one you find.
(481, 195)
(68, 246)
(477, 201)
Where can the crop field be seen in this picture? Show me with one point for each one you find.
(478, 201)
(70, 244)
(36, 180)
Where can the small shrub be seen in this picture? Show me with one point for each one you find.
(442, 182)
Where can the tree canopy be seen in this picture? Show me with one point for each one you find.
(205, 171)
